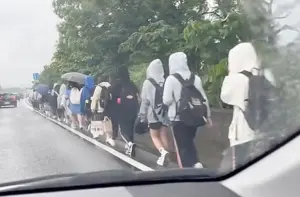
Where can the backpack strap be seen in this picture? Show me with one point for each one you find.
(153, 82)
(246, 73)
(183, 82)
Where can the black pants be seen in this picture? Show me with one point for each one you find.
(35, 104)
(184, 138)
(60, 113)
(126, 127)
(115, 123)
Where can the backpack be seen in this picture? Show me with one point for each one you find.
(75, 96)
(191, 109)
(158, 108)
(129, 101)
(104, 97)
(87, 103)
(259, 103)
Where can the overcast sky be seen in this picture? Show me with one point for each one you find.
(27, 39)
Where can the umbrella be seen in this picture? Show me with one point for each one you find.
(74, 77)
(42, 89)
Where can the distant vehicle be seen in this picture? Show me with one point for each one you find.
(8, 99)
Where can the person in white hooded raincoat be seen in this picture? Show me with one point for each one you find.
(183, 135)
(235, 89)
(158, 122)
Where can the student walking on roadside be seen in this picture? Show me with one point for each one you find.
(35, 99)
(66, 102)
(113, 108)
(188, 108)
(235, 90)
(74, 105)
(54, 96)
(153, 111)
(85, 99)
(256, 93)
(125, 99)
(252, 92)
(100, 105)
(61, 99)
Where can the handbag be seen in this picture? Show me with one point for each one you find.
(96, 128)
(107, 126)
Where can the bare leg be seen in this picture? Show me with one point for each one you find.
(155, 136)
(163, 134)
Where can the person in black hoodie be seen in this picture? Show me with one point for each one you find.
(125, 107)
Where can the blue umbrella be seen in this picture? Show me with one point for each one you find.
(42, 89)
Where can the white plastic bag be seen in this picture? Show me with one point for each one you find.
(107, 126)
(97, 128)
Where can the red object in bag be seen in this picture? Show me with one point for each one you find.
(119, 100)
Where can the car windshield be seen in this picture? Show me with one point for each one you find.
(145, 85)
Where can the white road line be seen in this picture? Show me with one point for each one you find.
(108, 149)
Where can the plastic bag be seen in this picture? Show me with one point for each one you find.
(97, 128)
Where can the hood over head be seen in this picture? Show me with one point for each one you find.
(155, 70)
(123, 75)
(89, 82)
(178, 63)
(242, 57)
(56, 87)
(56, 84)
(62, 89)
(105, 84)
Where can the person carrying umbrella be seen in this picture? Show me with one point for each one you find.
(74, 104)
(75, 81)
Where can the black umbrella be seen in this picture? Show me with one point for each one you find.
(74, 77)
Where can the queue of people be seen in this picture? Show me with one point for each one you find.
(177, 104)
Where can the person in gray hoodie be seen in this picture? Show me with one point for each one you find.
(153, 112)
(183, 135)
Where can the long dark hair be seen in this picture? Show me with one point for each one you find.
(72, 84)
(123, 75)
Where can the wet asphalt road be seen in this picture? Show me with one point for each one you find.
(31, 146)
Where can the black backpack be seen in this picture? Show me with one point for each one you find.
(129, 106)
(259, 99)
(191, 109)
(87, 104)
(158, 108)
(104, 97)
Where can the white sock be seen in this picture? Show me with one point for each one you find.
(162, 150)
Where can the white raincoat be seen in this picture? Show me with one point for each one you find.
(95, 105)
(235, 90)
(172, 90)
(155, 71)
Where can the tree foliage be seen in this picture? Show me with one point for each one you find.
(101, 35)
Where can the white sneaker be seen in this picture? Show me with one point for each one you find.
(73, 126)
(163, 159)
(130, 151)
(110, 141)
(198, 165)
(80, 126)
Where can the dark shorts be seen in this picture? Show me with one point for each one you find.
(156, 125)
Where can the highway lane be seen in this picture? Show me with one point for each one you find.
(31, 146)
